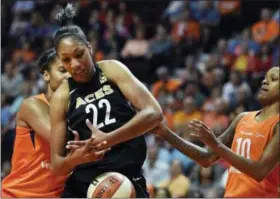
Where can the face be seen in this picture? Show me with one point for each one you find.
(234, 78)
(176, 168)
(189, 106)
(269, 91)
(76, 58)
(56, 74)
(265, 14)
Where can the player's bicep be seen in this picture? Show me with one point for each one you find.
(270, 156)
(138, 95)
(58, 106)
(35, 114)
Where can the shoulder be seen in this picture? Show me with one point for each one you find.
(240, 116)
(114, 69)
(31, 106)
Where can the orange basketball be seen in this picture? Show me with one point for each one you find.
(111, 185)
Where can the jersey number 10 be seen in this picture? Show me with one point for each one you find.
(101, 104)
(243, 147)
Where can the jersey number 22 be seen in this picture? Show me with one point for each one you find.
(101, 104)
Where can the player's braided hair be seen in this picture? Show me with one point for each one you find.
(65, 19)
(44, 61)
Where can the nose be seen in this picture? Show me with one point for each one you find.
(264, 81)
(74, 64)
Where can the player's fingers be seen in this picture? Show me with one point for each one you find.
(88, 146)
(196, 135)
(79, 143)
(101, 146)
(73, 147)
(76, 136)
(90, 126)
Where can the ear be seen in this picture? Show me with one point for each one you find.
(46, 76)
(89, 48)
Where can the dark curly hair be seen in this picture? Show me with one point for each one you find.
(65, 19)
(47, 58)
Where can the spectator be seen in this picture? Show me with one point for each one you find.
(242, 61)
(182, 117)
(94, 23)
(24, 54)
(267, 29)
(155, 169)
(165, 82)
(185, 29)
(204, 178)
(136, 47)
(226, 7)
(206, 14)
(162, 193)
(230, 89)
(217, 119)
(18, 26)
(234, 46)
(11, 80)
(192, 90)
(178, 184)
(126, 15)
(160, 43)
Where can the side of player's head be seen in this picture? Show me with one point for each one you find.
(72, 47)
(269, 91)
(51, 68)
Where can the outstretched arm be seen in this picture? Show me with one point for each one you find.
(204, 157)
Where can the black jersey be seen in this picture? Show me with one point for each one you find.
(102, 102)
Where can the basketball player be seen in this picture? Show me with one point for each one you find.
(31, 174)
(107, 95)
(254, 141)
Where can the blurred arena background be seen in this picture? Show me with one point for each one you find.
(200, 59)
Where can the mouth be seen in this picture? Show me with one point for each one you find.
(81, 72)
(263, 89)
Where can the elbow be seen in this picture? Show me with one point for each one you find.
(157, 116)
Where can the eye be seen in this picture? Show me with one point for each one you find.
(79, 54)
(66, 60)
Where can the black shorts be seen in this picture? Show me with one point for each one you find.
(77, 189)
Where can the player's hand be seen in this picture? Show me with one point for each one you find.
(85, 153)
(203, 133)
(100, 138)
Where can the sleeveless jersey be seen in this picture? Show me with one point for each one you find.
(250, 139)
(31, 174)
(101, 101)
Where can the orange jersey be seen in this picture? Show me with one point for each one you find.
(250, 139)
(31, 174)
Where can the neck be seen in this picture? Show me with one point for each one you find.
(49, 93)
(269, 111)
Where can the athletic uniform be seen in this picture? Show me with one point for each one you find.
(31, 174)
(250, 139)
(105, 106)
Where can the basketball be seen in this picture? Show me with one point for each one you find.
(111, 185)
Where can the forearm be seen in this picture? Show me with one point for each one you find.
(142, 122)
(253, 169)
(62, 165)
(200, 155)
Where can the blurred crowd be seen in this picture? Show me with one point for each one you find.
(201, 60)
